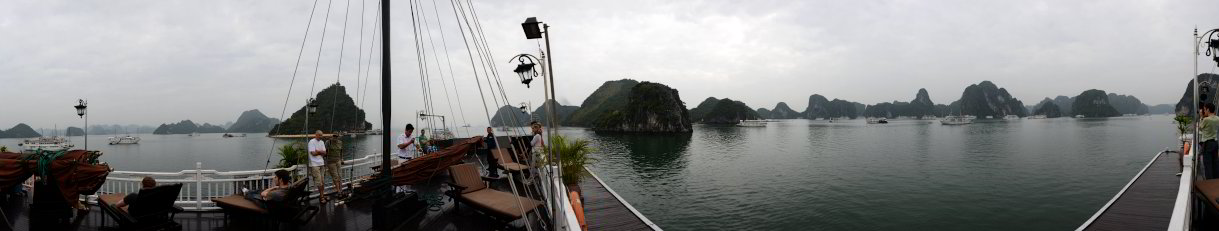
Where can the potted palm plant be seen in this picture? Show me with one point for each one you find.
(574, 156)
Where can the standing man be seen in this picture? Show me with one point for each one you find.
(1210, 148)
(334, 158)
(492, 164)
(317, 149)
(406, 144)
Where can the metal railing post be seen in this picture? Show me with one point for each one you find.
(198, 185)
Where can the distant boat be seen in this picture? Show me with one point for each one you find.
(53, 143)
(465, 126)
(1037, 117)
(956, 120)
(1079, 116)
(878, 120)
(227, 135)
(752, 123)
(990, 117)
(123, 140)
(375, 132)
(1011, 117)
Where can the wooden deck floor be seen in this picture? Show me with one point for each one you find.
(1148, 203)
(603, 211)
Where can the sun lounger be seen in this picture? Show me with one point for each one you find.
(154, 210)
(469, 188)
(293, 210)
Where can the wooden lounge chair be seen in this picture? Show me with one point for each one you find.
(294, 210)
(506, 162)
(1209, 191)
(154, 210)
(469, 188)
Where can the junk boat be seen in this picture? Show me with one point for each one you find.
(123, 140)
(441, 190)
(51, 143)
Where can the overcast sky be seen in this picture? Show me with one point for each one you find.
(153, 62)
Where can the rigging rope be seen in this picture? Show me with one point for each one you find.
(372, 44)
(449, 62)
(318, 63)
(295, 68)
(431, 42)
(338, 74)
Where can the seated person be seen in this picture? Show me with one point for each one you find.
(282, 180)
(146, 183)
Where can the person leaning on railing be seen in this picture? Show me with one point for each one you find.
(1210, 149)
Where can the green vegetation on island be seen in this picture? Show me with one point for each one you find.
(19, 131)
(74, 131)
(650, 107)
(1093, 103)
(986, 99)
(252, 121)
(1048, 109)
(336, 111)
(723, 111)
(610, 96)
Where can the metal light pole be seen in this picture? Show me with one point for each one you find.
(533, 31)
(81, 109)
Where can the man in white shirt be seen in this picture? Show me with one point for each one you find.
(406, 144)
(317, 151)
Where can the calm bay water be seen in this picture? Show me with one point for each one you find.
(1049, 174)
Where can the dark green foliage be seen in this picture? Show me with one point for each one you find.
(650, 107)
(253, 121)
(74, 131)
(612, 95)
(986, 99)
(563, 112)
(1186, 104)
(187, 127)
(333, 105)
(701, 110)
(292, 154)
(504, 116)
(19, 131)
(764, 113)
(920, 107)
(727, 111)
(1093, 103)
(782, 111)
(1049, 110)
(817, 107)
(1127, 104)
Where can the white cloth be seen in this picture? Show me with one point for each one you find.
(537, 140)
(314, 146)
(409, 151)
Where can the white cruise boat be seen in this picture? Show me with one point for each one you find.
(1011, 117)
(956, 120)
(123, 140)
(54, 143)
(1037, 117)
(752, 123)
(877, 121)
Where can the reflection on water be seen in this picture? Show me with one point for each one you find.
(1048, 174)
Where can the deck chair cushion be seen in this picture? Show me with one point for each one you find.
(467, 177)
(505, 162)
(238, 202)
(501, 203)
(1210, 190)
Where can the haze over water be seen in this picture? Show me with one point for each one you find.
(1049, 174)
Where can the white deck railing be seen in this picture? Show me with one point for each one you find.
(200, 185)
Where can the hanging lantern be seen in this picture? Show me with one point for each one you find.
(81, 107)
(525, 70)
(312, 106)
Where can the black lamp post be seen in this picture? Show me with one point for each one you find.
(82, 108)
(535, 29)
(524, 69)
(310, 109)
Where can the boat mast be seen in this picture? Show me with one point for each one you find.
(379, 214)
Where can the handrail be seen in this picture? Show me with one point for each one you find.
(205, 184)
